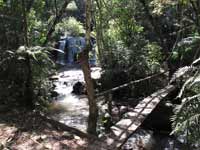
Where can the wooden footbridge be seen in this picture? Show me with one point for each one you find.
(123, 129)
(129, 123)
(131, 120)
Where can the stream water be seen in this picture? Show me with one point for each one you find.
(72, 110)
(69, 108)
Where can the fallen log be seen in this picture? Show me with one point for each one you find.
(61, 126)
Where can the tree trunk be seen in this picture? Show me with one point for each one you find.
(84, 58)
(29, 94)
(99, 31)
(25, 27)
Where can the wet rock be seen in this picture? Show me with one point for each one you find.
(164, 142)
(54, 94)
(53, 78)
(53, 86)
(79, 88)
(65, 83)
(140, 140)
(67, 135)
(123, 109)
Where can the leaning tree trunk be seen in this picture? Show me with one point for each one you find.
(84, 59)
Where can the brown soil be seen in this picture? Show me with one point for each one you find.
(26, 131)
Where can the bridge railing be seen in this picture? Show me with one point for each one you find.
(108, 93)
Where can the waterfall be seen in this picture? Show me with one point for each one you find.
(72, 49)
(73, 45)
(61, 56)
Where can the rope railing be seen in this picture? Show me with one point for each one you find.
(128, 84)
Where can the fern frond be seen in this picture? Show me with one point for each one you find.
(187, 123)
(187, 82)
(185, 103)
(181, 72)
(188, 41)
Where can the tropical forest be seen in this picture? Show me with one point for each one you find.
(99, 75)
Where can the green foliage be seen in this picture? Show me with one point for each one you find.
(186, 50)
(125, 50)
(36, 29)
(72, 6)
(70, 26)
(15, 72)
(155, 57)
(159, 6)
(187, 115)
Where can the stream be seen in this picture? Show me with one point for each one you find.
(72, 110)
(69, 108)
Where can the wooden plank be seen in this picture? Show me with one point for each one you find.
(123, 129)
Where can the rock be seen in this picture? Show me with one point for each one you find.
(164, 142)
(43, 137)
(79, 88)
(123, 109)
(67, 135)
(140, 140)
(65, 83)
(48, 146)
(53, 78)
(77, 137)
(54, 94)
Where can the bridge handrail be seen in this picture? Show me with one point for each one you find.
(128, 84)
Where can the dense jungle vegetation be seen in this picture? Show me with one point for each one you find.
(134, 39)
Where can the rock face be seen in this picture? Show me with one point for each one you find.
(79, 88)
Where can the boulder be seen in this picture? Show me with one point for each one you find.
(140, 140)
(79, 88)
(54, 94)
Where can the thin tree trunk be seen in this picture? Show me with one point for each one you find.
(29, 95)
(84, 58)
(99, 31)
(26, 41)
(56, 20)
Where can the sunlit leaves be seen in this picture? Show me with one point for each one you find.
(72, 6)
(1, 3)
(70, 26)
(159, 6)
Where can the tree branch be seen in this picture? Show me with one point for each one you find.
(56, 20)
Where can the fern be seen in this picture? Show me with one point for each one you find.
(186, 117)
(14, 73)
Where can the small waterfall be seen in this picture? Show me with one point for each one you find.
(61, 56)
(71, 46)
(72, 49)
